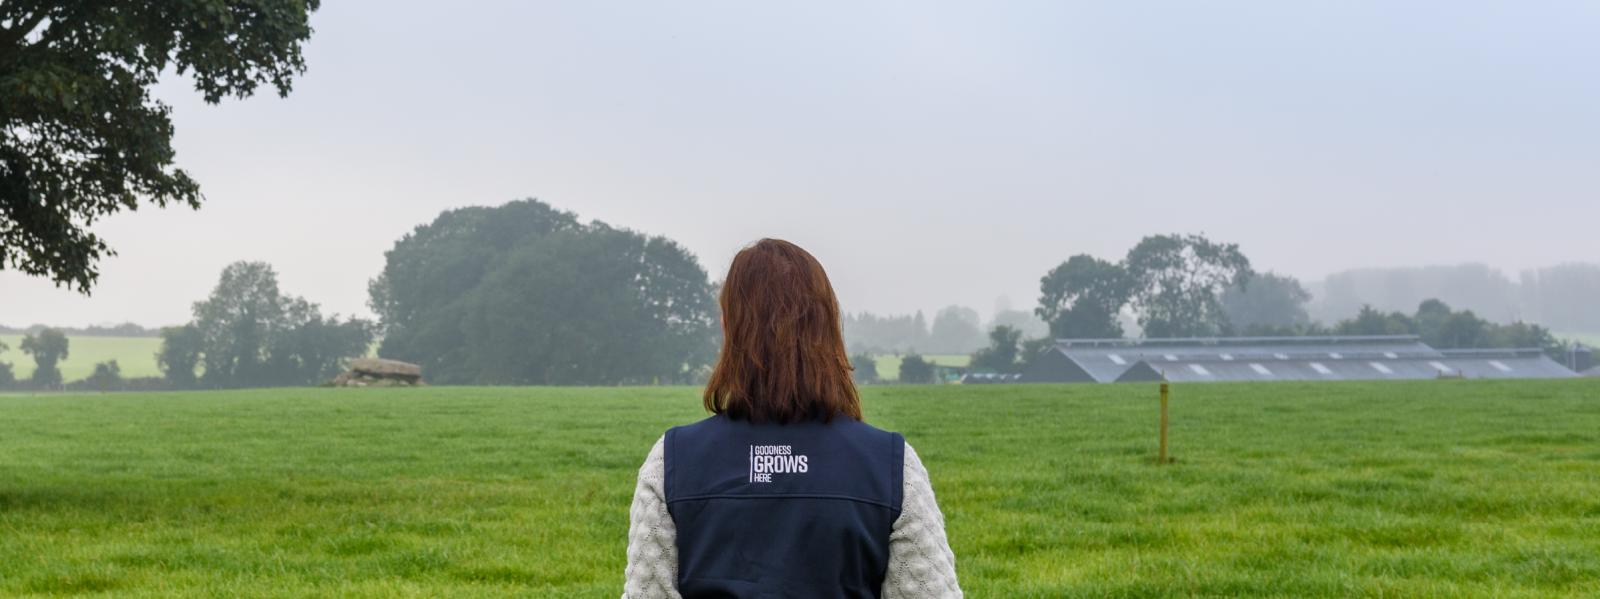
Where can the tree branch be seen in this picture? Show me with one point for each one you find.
(19, 30)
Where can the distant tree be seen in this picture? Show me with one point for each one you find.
(525, 294)
(865, 368)
(914, 370)
(251, 335)
(1178, 283)
(81, 136)
(1003, 353)
(1032, 349)
(107, 376)
(868, 332)
(1300, 330)
(1522, 334)
(1459, 330)
(1268, 301)
(179, 355)
(1370, 321)
(956, 330)
(7, 376)
(48, 349)
(1081, 298)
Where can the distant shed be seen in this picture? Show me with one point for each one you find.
(1279, 359)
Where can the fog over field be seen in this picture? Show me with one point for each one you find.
(929, 153)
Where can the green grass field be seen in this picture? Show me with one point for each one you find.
(135, 355)
(1431, 488)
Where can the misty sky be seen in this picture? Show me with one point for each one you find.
(927, 154)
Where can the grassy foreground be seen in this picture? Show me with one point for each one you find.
(1432, 488)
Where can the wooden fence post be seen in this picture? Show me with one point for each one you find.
(1162, 458)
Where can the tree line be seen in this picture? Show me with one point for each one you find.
(1190, 286)
(525, 294)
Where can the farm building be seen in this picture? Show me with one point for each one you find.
(985, 378)
(1278, 359)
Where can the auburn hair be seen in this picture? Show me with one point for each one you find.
(783, 358)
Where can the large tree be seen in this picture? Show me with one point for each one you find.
(252, 335)
(526, 294)
(1081, 298)
(180, 352)
(1178, 283)
(80, 135)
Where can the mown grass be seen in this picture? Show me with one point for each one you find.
(136, 356)
(1431, 488)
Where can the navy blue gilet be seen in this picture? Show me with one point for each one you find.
(799, 510)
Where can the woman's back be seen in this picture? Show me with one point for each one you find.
(784, 491)
(805, 507)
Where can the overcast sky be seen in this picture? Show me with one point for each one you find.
(928, 153)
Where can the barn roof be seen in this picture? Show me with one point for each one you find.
(1357, 357)
(1521, 363)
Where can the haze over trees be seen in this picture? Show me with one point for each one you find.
(1270, 304)
(1561, 297)
(80, 135)
(955, 330)
(872, 333)
(526, 294)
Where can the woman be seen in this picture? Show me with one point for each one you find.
(784, 491)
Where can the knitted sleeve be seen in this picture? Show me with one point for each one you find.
(652, 539)
(921, 563)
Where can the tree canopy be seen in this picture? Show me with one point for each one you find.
(48, 349)
(863, 368)
(1179, 280)
(1003, 355)
(526, 294)
(1081, 298)
(915, 370)
(1172, 283)
(80, 135)
(252, 335)
(1442, 327)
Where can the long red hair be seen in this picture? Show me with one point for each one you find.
(783, 358)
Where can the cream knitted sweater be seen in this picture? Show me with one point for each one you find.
(920, 561)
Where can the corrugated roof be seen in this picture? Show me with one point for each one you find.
(1105, 360)
(1280, 358)
(1473, 366)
